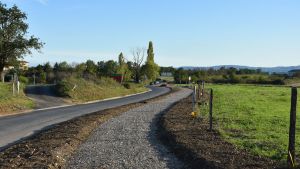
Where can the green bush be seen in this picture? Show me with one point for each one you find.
(23, 79)
(63, 88)
(127, 85)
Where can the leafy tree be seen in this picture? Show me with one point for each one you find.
(80, 68)
(151, 69)
(47, 67)
(62, 70)
(14, 43)
(55, 67)
(63, 67)
(107, 68)
(138, 59)
(167, 70)
(123, 68)
(91, 67)
(181, 76)
(110, 67)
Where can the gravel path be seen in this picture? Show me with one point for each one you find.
(129, 140)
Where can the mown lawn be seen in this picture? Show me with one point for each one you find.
(10, 103)
(255, 118)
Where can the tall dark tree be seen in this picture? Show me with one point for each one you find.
(138, 59)
(14, 43)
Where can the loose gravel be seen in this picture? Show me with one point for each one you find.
(129, 140)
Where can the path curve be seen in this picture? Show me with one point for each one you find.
(17, 127)
(129, 140)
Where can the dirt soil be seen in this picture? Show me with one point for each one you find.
(52, 147)
(197, 147)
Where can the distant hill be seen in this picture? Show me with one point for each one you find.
(278, 69)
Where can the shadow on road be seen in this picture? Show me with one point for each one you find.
(44, 96)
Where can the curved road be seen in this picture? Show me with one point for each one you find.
(15, 128)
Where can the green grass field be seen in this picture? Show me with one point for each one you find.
(255, 118)
(10, 103)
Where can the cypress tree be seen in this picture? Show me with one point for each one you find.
(151, 68)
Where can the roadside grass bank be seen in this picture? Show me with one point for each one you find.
(167, 78)
(255, 118)
(52, 147)
(191, 141)
(10, 103)
(83, 90)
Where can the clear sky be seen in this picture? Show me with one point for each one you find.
(184, 32)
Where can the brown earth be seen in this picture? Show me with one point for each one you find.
(191, 141)
(52, 147)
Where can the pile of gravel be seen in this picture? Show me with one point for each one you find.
(129, 140)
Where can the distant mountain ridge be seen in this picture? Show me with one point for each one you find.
(277, 69)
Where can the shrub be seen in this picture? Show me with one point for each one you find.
(23, 79)
(127, 85)
(63, 88)
(278, 82)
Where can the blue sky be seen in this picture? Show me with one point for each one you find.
(184, 33)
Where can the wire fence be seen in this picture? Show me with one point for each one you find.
(202, 99)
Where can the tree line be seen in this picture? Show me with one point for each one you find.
(228, 75)
(136, 70)
(15, 43)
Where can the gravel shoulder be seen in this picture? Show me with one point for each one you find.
(129, 140)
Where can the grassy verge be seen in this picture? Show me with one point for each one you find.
(10, 103)
(82, 90)
(255, 118)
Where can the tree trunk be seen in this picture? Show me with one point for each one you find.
(2, 76)
(2, 72)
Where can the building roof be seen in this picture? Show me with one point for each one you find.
(23, 61)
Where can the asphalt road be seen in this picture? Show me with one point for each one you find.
(44, 96)
(18, 127)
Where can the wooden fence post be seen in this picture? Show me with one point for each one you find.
(210, 109)
(194, 97)
(199, 91)
(291, 148)
(203, 84)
